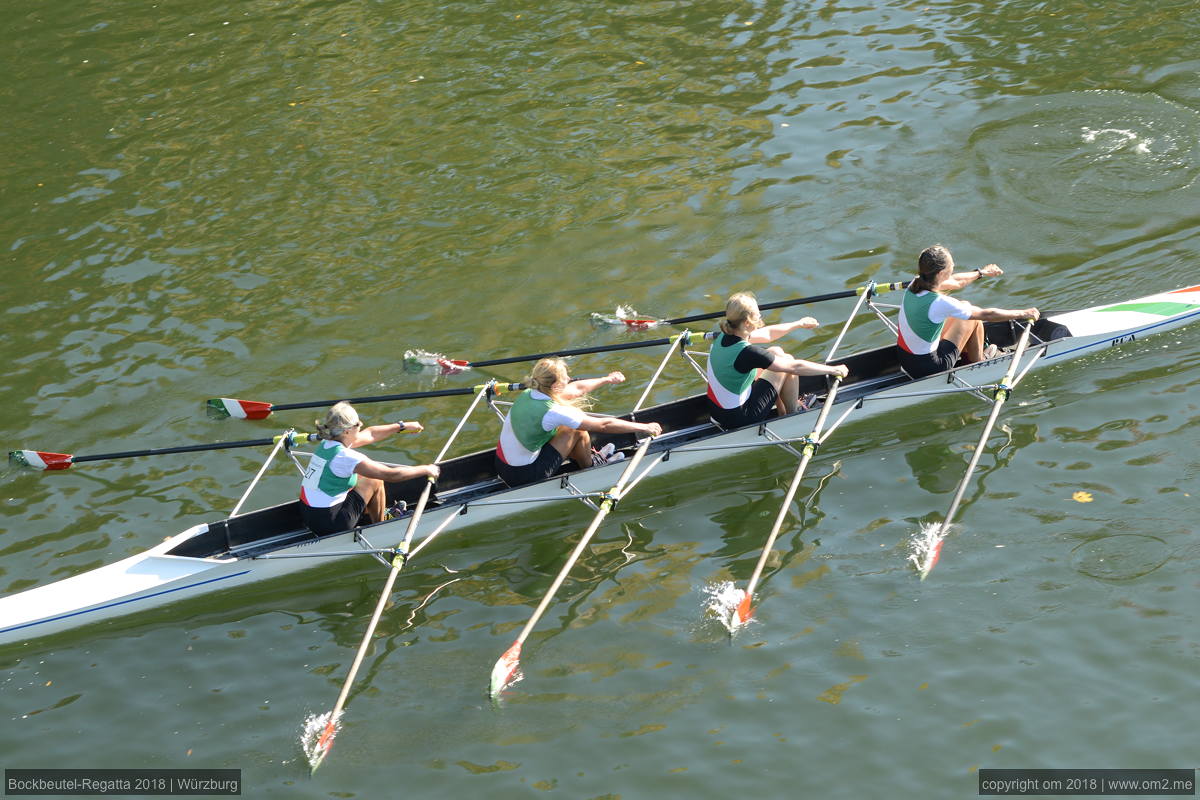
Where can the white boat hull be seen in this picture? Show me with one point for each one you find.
(155, 577)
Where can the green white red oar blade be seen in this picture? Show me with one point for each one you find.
(38, 459)
(504, 669)
(226, 407)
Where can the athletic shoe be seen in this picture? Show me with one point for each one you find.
(990, 352)
(606, 455)
(395, 510)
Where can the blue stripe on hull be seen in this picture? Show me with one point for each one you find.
(120, 603)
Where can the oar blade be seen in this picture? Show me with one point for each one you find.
(742, 613)
(504, 669)
(935, 552)
(323, 746)
(39, 459)
(226, 407)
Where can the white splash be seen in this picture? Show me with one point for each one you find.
(310, 734)
(721, 602)
(420, 360)
(1113, 140)
(627, 316)
(925, 547)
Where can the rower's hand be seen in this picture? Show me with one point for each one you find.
(433, 471)
(991, 271)
(1031, 314)
(412, 426)
(615, 377)
(653, 429)
(839, 371)
(809, 322)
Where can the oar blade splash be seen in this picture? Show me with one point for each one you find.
(228, 407)
(743, 613)
(505, 669)
(328, 725)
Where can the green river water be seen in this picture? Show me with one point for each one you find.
(275, 201)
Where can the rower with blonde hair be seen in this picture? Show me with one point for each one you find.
(547, 425)
(745, 381)
(341, 485)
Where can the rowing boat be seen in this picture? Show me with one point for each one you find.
(273, 541)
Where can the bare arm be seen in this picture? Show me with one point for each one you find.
(373, 469)
(1004, 315)
(579, 388)
(769, 333)
(594, 424)
(798, 366)
(962, 279)
(377, 433)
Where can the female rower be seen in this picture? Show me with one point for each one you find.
(746, 381)
(547, 425)
(341, 485)
(937, 331)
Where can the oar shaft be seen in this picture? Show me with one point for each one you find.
(191, 448)
(1001, 397)
(387, 398)
(397, 564)
(819, 298)
(786, 506)
(578, 351)
(605, 507)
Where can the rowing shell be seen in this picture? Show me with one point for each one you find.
(273, 541)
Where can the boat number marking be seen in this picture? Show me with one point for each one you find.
(1123, 339)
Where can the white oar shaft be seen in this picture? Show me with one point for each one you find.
(605, 507)
(1001, 395)
(261, 470)
(394, 572)
(675, 340)
(785, 507)
(862, 298)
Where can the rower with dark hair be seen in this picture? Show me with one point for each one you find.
(939, 332)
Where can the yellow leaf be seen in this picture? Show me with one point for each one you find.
(1082, 497)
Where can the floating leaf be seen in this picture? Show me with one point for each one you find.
(1082, 497)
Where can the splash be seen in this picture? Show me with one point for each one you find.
(721, 602)
(420, 360)
(1113, 140)
(311, 735)
(925, 547)
(627, 316)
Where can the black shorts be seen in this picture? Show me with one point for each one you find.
(544, 466)
(758, 406)
(944, 358)
(334, 519)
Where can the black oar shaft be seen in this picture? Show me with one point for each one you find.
(387, 398)
(767, 306)
(578, 351)
(191, 448)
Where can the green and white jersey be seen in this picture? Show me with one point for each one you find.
(728, 387)
(922, 317)
(531, 423)
(330, 475)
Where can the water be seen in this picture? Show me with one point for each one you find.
(277, 202)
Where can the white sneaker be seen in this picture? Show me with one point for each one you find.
(606, 455)
(990, 352)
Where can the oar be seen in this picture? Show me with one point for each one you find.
(225, 407)
(741, 615)
(510, 661)
(325, 742)
(858, 291)
(40, 459)
(1000, 394)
